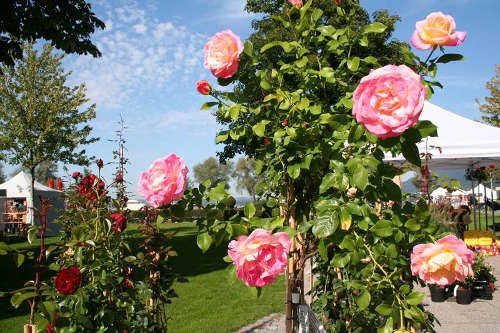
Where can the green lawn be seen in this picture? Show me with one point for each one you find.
(210, 301)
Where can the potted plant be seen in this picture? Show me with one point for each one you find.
(464, 290)
(484, 280)
(438, 293)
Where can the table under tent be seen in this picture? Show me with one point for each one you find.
(463, 144)
(16, 214)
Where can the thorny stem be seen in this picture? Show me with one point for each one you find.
(387, 276)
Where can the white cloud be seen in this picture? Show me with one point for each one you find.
(140, 28)
(140, 55)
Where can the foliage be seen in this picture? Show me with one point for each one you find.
(67, 24)
(482, 271)
(491, 107)
(245, 176)
(2, 174)
(291, 110)
(213, 170)
(42, 119)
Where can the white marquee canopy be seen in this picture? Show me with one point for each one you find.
(461, 142)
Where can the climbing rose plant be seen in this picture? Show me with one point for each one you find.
(319, 119)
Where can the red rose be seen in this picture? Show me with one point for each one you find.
(119, 222)
(100, 163)
(75, 174)
(203, 87)
(119, 178)
(492, 166)
(50, 183)
(51, 327)
(284, 122)
(68, 280)
(91, 187)
(59, 184)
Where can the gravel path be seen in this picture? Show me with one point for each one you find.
(481, 316)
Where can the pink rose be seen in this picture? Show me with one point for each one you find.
(442, 263)
(222, 53)
(164, 181)
(260, 257)
(203, 87)
(296, 3)
(436, 29)
(389, 100)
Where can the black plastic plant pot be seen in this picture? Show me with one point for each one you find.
(481, 290)
(438, 293)
(464, 295)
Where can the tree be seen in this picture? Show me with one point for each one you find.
(246, 178)
(68, 24)
(491, 108)
(212, 170)
(43, 171)
(41, 118)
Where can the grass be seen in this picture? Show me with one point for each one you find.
(210, 301)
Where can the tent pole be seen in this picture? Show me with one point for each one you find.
(485, 207)
(492, 204)
(474, 205)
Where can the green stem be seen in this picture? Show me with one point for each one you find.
(430, 54)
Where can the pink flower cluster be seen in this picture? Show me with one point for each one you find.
(260, 257)
(444, 262)
(389, 100)
(164, 181)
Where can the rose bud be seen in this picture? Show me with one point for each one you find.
(100, 163)
(203, 87)
(75, 175)
(284, 122)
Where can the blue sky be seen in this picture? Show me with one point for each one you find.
(153, 55)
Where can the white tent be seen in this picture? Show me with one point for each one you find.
(18, 187)
(461, 142)
(439, 192)
(480, 191)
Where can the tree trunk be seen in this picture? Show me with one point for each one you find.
(31, 210)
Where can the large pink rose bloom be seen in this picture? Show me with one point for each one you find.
(442, 263)
(437, 29)
(222, 53)
(164, 181)
(389, 100)
(260, 257)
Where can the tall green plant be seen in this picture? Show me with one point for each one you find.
(327, 174)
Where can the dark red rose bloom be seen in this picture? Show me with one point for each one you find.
(100, 163)
(68, 280)
(75, 175)
(119, 222)
(491, 166)
(91, 187)
(119, 178)
(50, 183)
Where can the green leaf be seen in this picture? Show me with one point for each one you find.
(375, 27)
(353, 64)
(18, 259)
(159, 220)
(360, 177)
(382, 228)
(294, 170)
(260, 128)
(327, 72)
(388, 326)
(363, 300)
(223, 136)
(413, 225)
(384, 309)
(411, 153)
(18, 298)
(340, 260)
(204, 240)
(208, 105)
(217, 193)
(325, 225)
(248, 50)
(249, 210)
(415, 298)
(445, 58)
(327, 182)
(427, 128)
